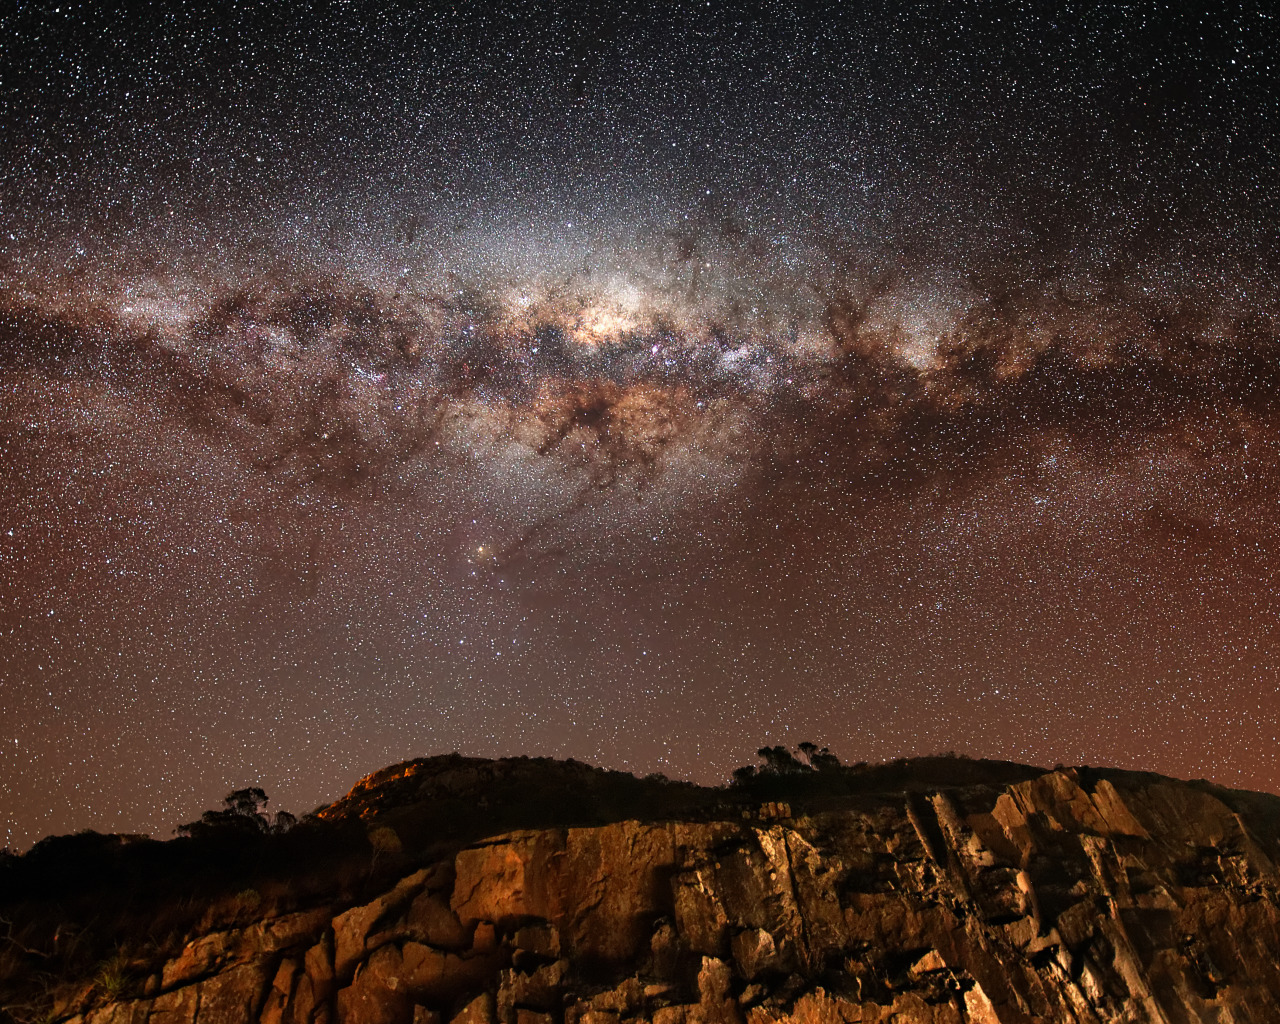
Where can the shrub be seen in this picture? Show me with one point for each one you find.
(112, 976)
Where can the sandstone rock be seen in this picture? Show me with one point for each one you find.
(291, 930)
(700, 917)
(217, 950)
(313, 984)
(176, 1007)
(430, 920)
(598, 887)
(231, 997)
(715, 1004)
(304, 1002)
(379, 994)
(1062, 899)
(540, 939)
(318, 964)
(478, 1011)
(128, 1012)
(539, 989)
(816, 1007)
(754, 951)
(484, 938)
(72, 1000)
(424, 969)
(281, 992)
(352, 927)
(584, 1013)
(200, 957)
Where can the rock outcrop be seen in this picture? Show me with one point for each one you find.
(1060, 898)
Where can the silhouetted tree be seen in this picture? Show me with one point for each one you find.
(819, 760)
(780, 761)
(825, 761)
(243, 813)
(247, 803)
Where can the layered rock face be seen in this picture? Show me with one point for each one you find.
(1044, 900)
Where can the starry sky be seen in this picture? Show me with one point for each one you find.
(638, 384)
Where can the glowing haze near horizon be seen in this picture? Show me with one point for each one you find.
(629, 386)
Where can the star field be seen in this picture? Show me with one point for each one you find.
(631, 385)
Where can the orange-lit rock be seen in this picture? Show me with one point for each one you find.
(1058, 898)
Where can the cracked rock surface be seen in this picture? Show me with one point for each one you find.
(1059, 898)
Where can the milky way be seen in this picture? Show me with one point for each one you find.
(636, 387)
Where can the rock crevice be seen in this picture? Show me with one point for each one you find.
(1040, 901)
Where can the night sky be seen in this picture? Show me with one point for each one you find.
(637, 385)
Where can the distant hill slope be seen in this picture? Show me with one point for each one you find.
(454, 890)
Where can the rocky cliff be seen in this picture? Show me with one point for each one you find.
(1063, 896)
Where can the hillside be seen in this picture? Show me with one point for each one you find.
(523, 891)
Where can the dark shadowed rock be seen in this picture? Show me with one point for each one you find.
(1063, 896)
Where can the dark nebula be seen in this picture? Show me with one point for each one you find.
(637, 386)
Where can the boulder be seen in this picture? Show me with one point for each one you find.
(232, 996)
